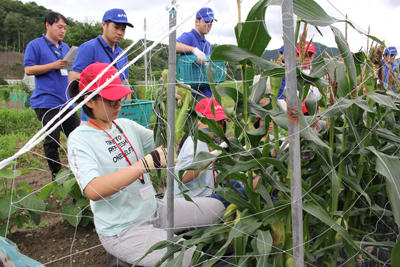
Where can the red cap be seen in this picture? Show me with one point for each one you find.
(204, 107)
(310, 45)
(113, 91)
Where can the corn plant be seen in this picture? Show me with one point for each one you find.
(350, 170)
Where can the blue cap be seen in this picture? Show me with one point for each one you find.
(116, 15)
(391, 50)
(282, 49)
(206, 13)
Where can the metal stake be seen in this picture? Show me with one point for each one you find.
(171, 120)
(294, 138)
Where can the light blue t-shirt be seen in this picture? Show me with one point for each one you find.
(91, 154)
(203, 184)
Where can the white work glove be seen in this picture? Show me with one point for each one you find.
(201, 57)
(219, 152)
(223, 145)
(156, 159)
(216, 152)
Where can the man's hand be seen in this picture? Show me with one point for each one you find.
(60, 64)
(201, 57)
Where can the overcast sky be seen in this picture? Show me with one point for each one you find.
(380, 15)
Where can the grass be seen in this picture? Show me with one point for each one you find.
(17, 126)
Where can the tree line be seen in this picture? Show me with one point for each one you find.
(22, 22)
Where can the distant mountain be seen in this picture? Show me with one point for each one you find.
(319, 48)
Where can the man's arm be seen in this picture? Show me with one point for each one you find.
(41, 69)
(184, 48)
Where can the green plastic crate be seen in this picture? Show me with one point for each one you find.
(137, 110)
(189, 72)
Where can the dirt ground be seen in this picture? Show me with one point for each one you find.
(55, 242)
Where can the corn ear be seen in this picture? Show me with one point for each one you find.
(277, 231)
(229, 213)
(182, 112)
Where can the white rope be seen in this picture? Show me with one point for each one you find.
(40, 135)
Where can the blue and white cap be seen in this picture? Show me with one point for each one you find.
(117, 15)
(391, 50)
(206, 13)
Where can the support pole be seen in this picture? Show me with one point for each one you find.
(171, 120)
(293, 131)
(145, 55)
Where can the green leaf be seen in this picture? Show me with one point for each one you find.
(319, 213)
(33, 202)
(352, 183)
(258, 90)
(388, 135)
(383, 100)
(264, 245)
(342, 104)
(347, 56)
(254, 35)
(246, 226)
(232, 53)
(72, 214)
(9, 173)
(389, 166)
(35, 216)
(62, 190)
(312, 13)
(396, 254)
(309, 133)
(5, 202)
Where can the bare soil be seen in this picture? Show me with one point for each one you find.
(55, 242)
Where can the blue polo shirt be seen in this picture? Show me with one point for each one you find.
(97, 50)
(386, 76)
(194, 39)
(50, 87)
(282, 89)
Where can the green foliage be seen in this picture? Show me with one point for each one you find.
(80, 32)
(349, 169)
(157, 59)
(66, 188)
(16, 128)
(19, 206)
(20, 23)
(14, 121)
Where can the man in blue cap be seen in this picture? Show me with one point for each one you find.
(104, 48)
(389, 77)
(195, 43)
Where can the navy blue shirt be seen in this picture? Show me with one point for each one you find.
(50, 87)
(92, 51)
(194, 39)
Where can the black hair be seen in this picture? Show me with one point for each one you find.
(73, 91)
(53, 17)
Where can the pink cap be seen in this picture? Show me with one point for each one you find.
(204, 107)
(113, 91)
(310, 45)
